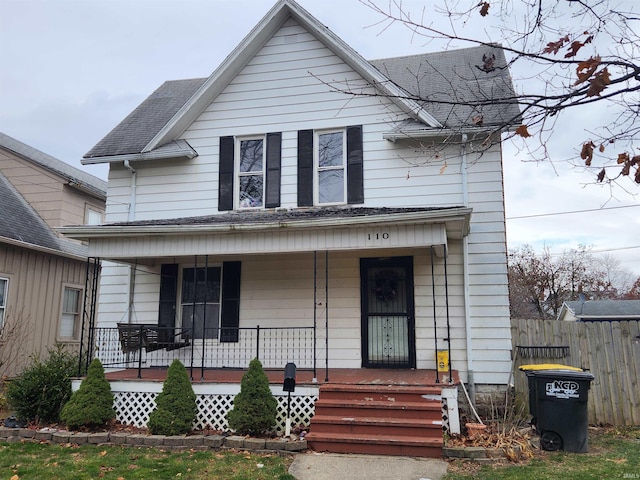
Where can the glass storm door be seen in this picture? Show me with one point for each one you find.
(388, 321)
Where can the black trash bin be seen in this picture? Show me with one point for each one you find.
(558, 404)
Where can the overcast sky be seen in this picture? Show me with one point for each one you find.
(72, 69)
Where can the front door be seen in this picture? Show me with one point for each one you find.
(388, 321)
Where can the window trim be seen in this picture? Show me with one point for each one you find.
(3, 308)
(179, 304)
(238, 174)
(75, 337)
(317, 169)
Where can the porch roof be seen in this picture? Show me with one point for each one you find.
(279, 230)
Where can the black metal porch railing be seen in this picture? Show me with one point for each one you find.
(144, 346)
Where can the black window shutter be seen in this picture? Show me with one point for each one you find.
(355, 177)
(274, 154)
(225, 179)
(305, 168)
(230, 302)
(168, 293)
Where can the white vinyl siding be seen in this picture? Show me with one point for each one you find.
(283, 89)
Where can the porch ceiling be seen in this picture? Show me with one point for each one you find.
(281, 231)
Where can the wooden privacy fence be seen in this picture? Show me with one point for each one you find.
(609, 350)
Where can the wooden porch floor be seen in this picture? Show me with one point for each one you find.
(352, 376)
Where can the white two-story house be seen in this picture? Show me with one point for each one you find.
(303, 204)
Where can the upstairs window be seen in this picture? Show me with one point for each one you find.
(92, 216)
(330, 167)
(251, 173)
(330, 173)
(249, 176)
(4, 287)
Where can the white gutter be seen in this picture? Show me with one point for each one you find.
(38, 248)
(461, 214)
(465, 270)
(160, 154)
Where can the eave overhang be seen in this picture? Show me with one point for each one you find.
(176, 150)
(458, 215)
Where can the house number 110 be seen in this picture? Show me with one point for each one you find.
(377, 236)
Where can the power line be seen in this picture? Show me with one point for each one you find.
(570, 212)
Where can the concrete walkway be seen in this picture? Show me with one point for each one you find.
(334, 466)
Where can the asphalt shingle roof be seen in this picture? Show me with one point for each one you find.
(605, 308)
(449, 80)
(450, 83)
(260, 216)
(78, 177)
(140, 126)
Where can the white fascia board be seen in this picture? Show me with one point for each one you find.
(250, 46)
(86, 232)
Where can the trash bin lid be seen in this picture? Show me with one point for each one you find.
(560, 374)
(549, 366)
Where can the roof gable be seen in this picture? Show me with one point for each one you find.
(253, 42)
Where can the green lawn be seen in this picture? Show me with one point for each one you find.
(24, 461)
(613, 453)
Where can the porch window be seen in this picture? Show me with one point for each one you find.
(70, 317)
(330, 173)
(200, 301)
(4, 287)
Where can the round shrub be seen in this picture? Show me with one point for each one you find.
(176, 407)
(92, 404)
(40, 392)
(255, 407)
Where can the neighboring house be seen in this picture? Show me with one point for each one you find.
(42, 276)
(600, 310)
(356, 231)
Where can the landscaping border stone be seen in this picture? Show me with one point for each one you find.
(478, 454)
(177, 442)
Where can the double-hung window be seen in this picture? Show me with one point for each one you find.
(203, 300)
(330, 173)
(200, 301)
(251, 173)
(330, 167)
(70, 317)
(4, 289)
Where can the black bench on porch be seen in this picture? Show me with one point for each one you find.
(134, 337)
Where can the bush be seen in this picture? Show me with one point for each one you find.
(92, 404)
(176, 407)
(40, 392)
(255, 407)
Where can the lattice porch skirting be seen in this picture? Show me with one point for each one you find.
(134, 401)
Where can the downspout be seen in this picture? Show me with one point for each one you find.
(130, 217)
(465, 269)
(132, 196)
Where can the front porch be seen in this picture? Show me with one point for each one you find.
(391, 398)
